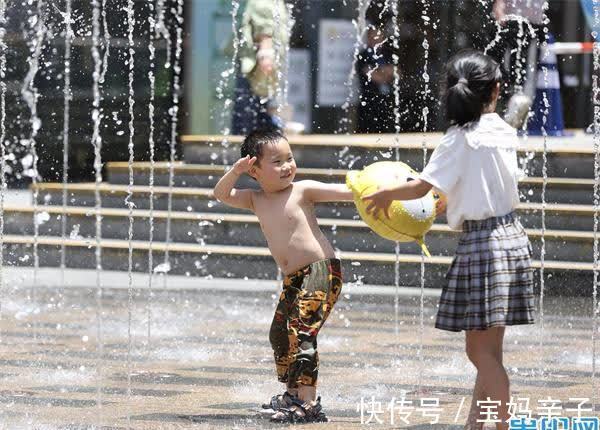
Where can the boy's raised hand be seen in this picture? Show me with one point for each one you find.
(243, 165)
(379, 200)
(440, 203)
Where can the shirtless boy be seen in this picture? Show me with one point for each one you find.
(313, 280)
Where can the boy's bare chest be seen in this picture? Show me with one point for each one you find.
(282, 214)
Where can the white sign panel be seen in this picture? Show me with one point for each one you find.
(299, 86)
(336, 52)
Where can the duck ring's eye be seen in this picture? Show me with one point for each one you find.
(409, 179)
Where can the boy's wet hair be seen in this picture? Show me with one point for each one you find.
(253, 143)
(471, 78)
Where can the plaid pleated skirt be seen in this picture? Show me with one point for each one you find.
(490, 281)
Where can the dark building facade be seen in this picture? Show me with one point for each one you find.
(21, 26)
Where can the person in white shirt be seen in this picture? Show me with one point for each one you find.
(490, 281)
(515, 45)
(531, 10)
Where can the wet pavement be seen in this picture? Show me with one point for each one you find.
(208, 363)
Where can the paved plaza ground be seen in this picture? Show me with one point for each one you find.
(209, 365)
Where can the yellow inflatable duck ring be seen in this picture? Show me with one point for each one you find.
(410, 219)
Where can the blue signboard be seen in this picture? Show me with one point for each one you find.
(590, 7)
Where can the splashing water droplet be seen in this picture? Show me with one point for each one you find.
(41, 218)
(162, 268)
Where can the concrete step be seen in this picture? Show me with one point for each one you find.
(188, 199)
(562, 277)
(566, 156)
(244, 230)
(558, 190)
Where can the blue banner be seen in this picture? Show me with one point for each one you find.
(588, 7)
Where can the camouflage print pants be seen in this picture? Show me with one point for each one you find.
(305, 303)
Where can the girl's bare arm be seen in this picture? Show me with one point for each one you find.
(383, 198)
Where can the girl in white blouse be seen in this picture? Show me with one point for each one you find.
(490, 280)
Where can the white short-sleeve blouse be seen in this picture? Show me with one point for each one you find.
(476, 167)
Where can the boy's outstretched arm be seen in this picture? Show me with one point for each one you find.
(225, 192)
(322, 192)
(441, 202)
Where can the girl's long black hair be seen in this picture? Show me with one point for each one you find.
(471, 77)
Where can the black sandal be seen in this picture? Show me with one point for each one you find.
(301, 413)
(279, 401)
